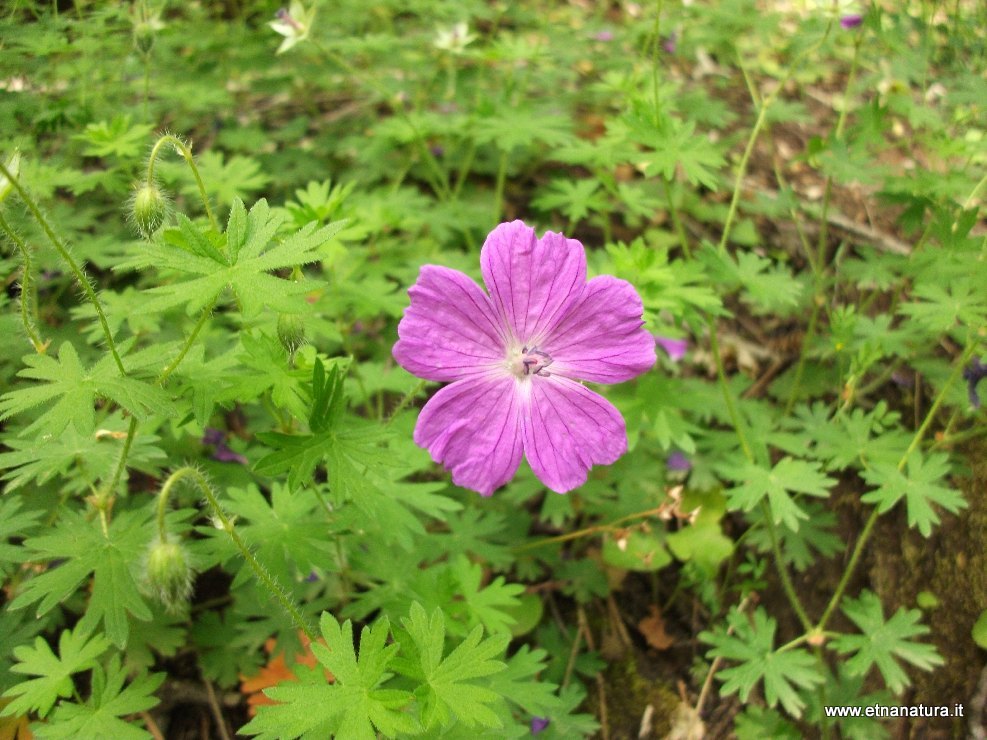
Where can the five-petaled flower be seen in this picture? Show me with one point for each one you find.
(515, 359)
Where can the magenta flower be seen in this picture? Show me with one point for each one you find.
(851, 21)
(515, 358)
(674, 347)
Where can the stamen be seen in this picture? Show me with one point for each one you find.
(535, 362)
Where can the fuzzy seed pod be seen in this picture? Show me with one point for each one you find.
(148, 208)
(291, 331)
(168, 575)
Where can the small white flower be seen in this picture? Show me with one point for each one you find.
(454, 39)
(294, 23)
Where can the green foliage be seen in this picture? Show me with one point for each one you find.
(109, 557)
(801, 203)
(885, 643)
(783, 672)
(917, 483)
(77, 651)
(776, 485)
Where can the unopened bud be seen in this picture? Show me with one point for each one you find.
(291, 331)
(148, 208)
(168, 574)
(144, 37)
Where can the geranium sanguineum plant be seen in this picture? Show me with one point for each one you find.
(516, 359)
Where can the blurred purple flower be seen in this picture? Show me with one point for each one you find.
(903, 378)
(538, 724)
(678, 462)
(851, 21)
(603, 36)
(670, 43)
(674, 347)
(496, 351)
(973, 374)
(217, 439)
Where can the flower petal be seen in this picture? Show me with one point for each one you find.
(601, 338)
(532, 282)
(450, 330)
(473, 427)
(567, 430)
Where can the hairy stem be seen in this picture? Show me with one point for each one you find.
(185, 151)
(28, 300)
(73, 266)
(263, 575)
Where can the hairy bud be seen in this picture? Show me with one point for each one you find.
(148, 208)
(168, 575)
(291, 331)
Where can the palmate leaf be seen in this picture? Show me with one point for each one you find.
(349, 449)
(674, 145)
(242, 262)
(751, 646)
(919, 487)
(109, 700)
(446, 689)
(288, 537)
(110, 559)
(76, 652)
(354, 705)
(89, 457)
(883, 642)
(13, 523)
(74, 389)
(788, 476)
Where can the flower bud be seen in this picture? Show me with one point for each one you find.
(148, 208)
(291, 331)
(168, 575)
(144, 37)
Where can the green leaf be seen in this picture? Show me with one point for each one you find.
(354, 706)
(919, 487)
(674, 145)
(109, 701)
(111, 559)
(940, 306)
(13, 523)
(447, 690)
(576, 199)
(290, 538)
(788, 476)
(74, 389)
(76, 652)
(485, 603)
(752, 646)
(115, 138)
(245, 268)
(882, 642)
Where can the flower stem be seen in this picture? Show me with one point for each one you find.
(786, 579)
(499, 187)
(263, 575)
(74, 268)
(403, 403)
(28, 298)
(872, 519)
(185, 151)
(188, 344)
